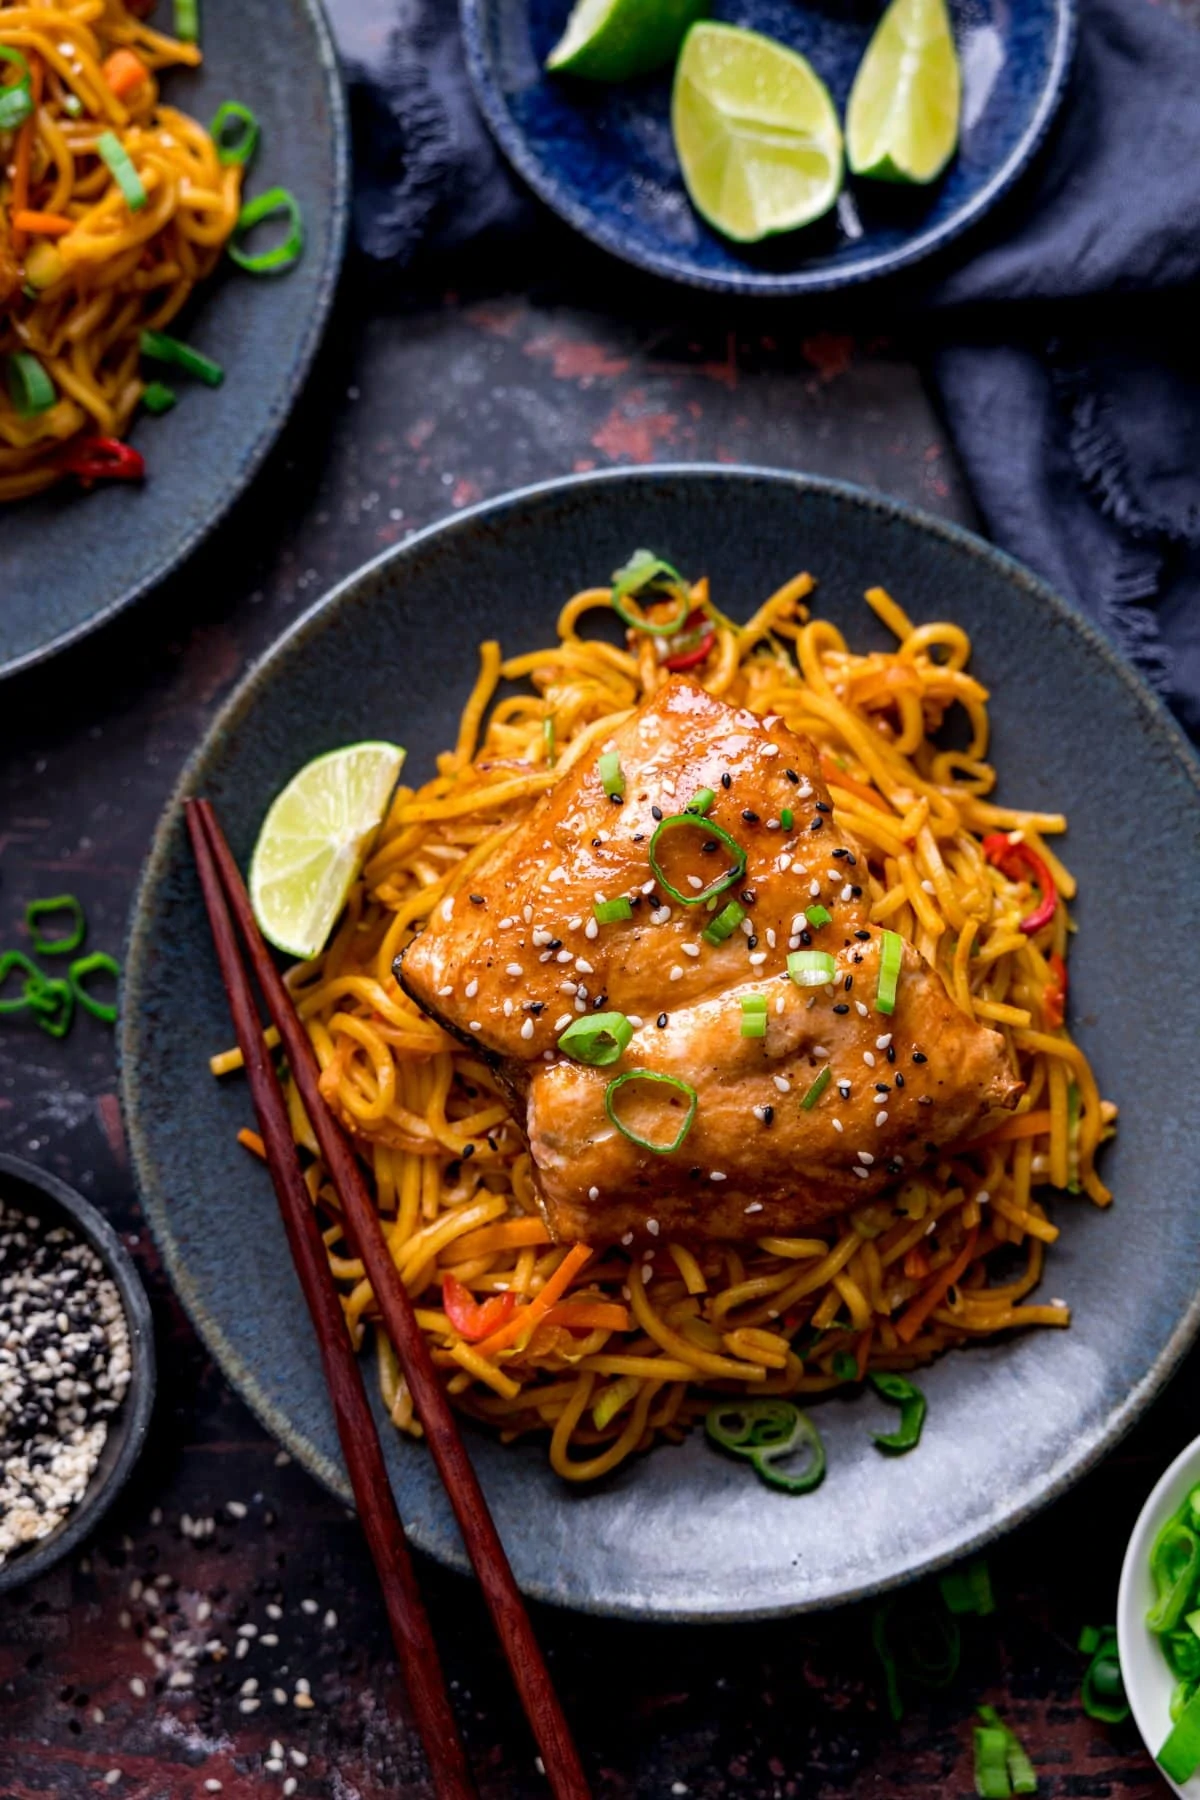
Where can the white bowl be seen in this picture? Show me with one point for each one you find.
(1148, 1679)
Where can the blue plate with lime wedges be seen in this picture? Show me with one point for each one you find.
(603, 155)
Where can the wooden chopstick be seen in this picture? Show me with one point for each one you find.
(411, 1631)
(564, 1771)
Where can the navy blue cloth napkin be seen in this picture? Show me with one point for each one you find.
(1067, 330)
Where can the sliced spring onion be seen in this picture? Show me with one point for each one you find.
(635, 1137)
(239, 147)
(610, 912)
(646, 575)
(724, 924)
(818, 916)
(53, 1000)
(187, 20)
(700, 801)
(66, 941)
(611, 775)
(276, 203)
(1175, 1567)
(765, 1432)
(548, 741)
(911, 1402)
(29, 387)
(158, 398)
(599, 1039)
(754, 1016)
(1102, 1692)
(786, 818)
(17, 959)
(844, 1366)
(891, 959)
(1018, 1769)
(112, 151)
(709, 830)
(161, 348)
(98, 963)
(817, 1089)
(16, 100)
(991, 1763)
(811, 968)
(614, 1397)
(969, 1589)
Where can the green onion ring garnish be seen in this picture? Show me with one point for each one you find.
(112, 151)
(17, 959)
(642, 574)
(811, 968)
(635, 1137)
(29, 386)
(98, 963)
(241, 147)
(159, 347)
(710, 830)
(701, 801)
(818, 916)
(71, 939)
(764, 1432)
(277, 202)
(815, 1091)
(53, 1000)
(725, 923)
(16, 100)
(612, 779)
(611, 912)
(598, 1039)
(891, 960)
(911, 1402)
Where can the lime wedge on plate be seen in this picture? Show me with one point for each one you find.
(902, 117)
(757, 135)
(314, 840)
(612, 40)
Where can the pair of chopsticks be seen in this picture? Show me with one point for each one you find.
(226, 901)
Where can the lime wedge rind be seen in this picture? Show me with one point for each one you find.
(615, 40)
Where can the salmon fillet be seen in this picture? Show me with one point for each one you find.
(510, 964)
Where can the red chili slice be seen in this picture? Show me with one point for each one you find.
(1015, 860)
(700, 636)
(103, 459)
(473, 1319)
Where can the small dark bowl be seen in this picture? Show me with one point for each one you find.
(24, 1185)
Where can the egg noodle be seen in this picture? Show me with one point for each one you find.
(81, 273)
(610, 1351)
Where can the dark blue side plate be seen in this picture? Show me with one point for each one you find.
(70, 560)
(603, 158)
(686, 1533)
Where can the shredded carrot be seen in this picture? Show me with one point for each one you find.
(838, 778)
(513, 1234)
(589, 1315)
(916, 1263)
(20, 183)
(909, 1323)
(521, 1326)
(1025, 1125)
(250, 1140)
(42, 224)
(123, 71)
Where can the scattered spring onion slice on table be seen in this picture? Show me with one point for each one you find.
(612, 779)
(1102, 1691)
(724, 923)
(911, 1402)
(17, 959)
(160, 347)
(80, 972)
(29, 386)
(811, 968)
(314, 840)
(611, 912)
(239, 147)
(16, 98)
(818, 1087)
(754, 1016)
(1002, 1767)
(120, 165)
(710, 832)
(651, 1076)
(891, 961)
(968, 1589)
(62, 943)
(187, 20)
(276, 203)
(599, 1039)
(158, 398)
(765, 1432)
(647, 577)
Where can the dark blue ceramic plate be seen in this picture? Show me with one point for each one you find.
(603, 158)
(685, 1533)
(71, 560)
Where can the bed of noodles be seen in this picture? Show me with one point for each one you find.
(450, 1171)
(116, 272)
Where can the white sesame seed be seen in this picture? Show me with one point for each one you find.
(582, 967)
(865, 1157)
(472, 988)
(770, 937)
(848, 891)
(593, 1193)
(309, 1606)
(647, 887)
(237, 1509)
(527, 1030)
(475, 1025)
(212, 1785)
(602, 837)
(506, 925)
(647, 1272)
(303, 1684)
(861, 1173)
(635, 1020)
(695, 881)
(881, 1118)
(249, 1706)
(299, 1758)
(562, 1021)
(1061, 1303)
(269, 1638)
(508, 1009)
(869, 1058)
(837, 1124)
(279, 1696)
(627, 1238)
(540, 936)
(863, 1009)
(929, 887)
(783, 863)
(820, 1050)
(982, 1197)
(757, 958)
(448, 907)
(676, 973)
(772, 824)
(779, 1003)
(717, 1175)
(513, 969)
(652, 1227)
(591, 929)
(574, 922)
(250, 1685)
(527, 914)
(137, 1687)
(660, 915)
(290, 1786)
(782, 1083)
(881, 1043)
(690, 949)
(443, 991)
(247, 1631)
(754, 1206)
(770, 749)
(668, 786)
(747, 926)
(564, 956)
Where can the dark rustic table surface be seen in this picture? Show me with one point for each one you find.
(222, 1564)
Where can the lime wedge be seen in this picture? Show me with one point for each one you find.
(756, 132)
(314, 840)
(902, 117)
(612, 40)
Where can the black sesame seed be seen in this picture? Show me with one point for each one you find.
(899, 1079)
(477, 900)
(841, 1007)
(919, 1056)
(639, 837)
(792, 777)
(656, 812)
(857, 957)
(661, 1021)
(806, 937)
(891, 1052)
(535, 1007)
(852, 859)
(599, 1001)
(848, 983)
(822, 806)
(748, 896)
(862, 936)
(768, 1113)
(693, 1174)
(708, 846)
(817, 823)
(751, 818)
(554, 944)
(752, 943)
(468, 1153)
(856, 893)
(839, 852)
(616, 799)
(881, 1087)
(727, 781)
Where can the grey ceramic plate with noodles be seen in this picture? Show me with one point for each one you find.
(70, 560)
(684, 1533)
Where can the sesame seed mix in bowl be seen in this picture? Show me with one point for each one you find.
(64, 1369)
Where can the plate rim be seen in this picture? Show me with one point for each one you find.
(1083, 1454)
(182, 553)
(760, 284)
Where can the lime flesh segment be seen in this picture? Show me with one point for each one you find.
(902, 117)
(756, 133)
(612, 40)
(314, 840)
